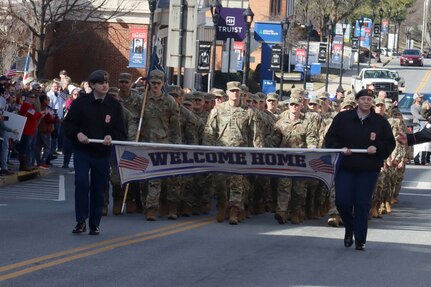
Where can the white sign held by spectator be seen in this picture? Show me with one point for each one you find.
(15, 122)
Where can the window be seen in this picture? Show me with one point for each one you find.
(275, 8)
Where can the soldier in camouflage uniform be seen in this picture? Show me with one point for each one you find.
(231, 125)
(188, 127)
(131, 102)
(160, 124)
(203, 186)
(292, 130)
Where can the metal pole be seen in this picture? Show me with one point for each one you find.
(306, 56)
(342, 57)
(398, 36)
(283, 48)
(213, 58)
(328, 46)
(389, 31)
(371, 41)
(359, 44)
(150, 44)
(247, 57)
(181, 39)
(380, 34)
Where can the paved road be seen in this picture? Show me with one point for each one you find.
(38, 249)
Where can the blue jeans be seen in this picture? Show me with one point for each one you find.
(353, 193)
(89, 191)
(4, 153)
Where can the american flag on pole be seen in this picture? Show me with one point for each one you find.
(322, 164)
(131, 161)
(12, 72)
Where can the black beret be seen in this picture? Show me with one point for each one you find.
(98, 76)
(365, 92)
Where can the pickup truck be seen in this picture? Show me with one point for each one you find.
(381, 79)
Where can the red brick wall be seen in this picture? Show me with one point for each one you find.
(103, 47)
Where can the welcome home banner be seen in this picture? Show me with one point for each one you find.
(138, 161)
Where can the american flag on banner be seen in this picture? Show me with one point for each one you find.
(322, 164)
(131, 161)
(12, 72)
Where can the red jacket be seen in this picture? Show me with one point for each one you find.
(27, 110)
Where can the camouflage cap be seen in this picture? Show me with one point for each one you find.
(198, 95)
(175, 90)
(254, 97)
(187, 103)
(98, 76)
(295, 100)
(349, 98)
(262, 96)
(209, 97)
(345, 104)
(218, 93)
(244, 88)
(323, 95)
(297, 92)
(272, 96)
(314, 100)
(188, 97)
(125, 77)
(233, 86)
(113, 91)
(379, 101)
(157, 75)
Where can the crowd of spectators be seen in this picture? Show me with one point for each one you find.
(44, 105)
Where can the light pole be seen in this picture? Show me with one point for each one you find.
(373, 16)
(330, 29)
(360, 24)
(408, 38)
(215, 13)
(344, 28)
(152, 5)
(398, 36)
(389, 30)
(309, 30)
(380, 34)
(395, 31)
(248, 19)
(285, 24)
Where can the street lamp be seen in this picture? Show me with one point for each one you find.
(344, 28)
(395, 31)
(309, 28)
(373, 16)
(285, 24)
(408, 34)
(215, 13)
(360, 24)
(152, 5)
(389, 30)
(380, 33)
(248, 19)
(398, 34)
(330, 29)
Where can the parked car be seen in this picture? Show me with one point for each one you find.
(411, 57)
(404, 106)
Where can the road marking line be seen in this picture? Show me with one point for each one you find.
(423, 82)
(416, 185)
(416, 194)
(95, 245)
(102, 249)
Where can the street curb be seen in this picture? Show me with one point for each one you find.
(21, 176)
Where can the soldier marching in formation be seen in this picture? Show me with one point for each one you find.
(238, 118)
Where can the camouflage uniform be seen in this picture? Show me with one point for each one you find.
(233, 126)
(160, 124)
(291, 193)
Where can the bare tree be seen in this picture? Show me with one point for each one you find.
(53, 24)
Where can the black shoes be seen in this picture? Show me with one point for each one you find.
(348, 238)
(94, 230)
(360, 246)
(80, 227)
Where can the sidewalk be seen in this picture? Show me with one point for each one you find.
(21, 175)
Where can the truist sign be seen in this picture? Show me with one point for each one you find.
(231, 24)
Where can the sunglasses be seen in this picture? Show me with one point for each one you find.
(156, 83)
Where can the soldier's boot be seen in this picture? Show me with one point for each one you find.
(221, 211)
(151, 214)
(116, 209)
(334, 220)
(281, 217)
(394, 200)
(205, 208)
(23, 163)
(196, 210)
(388, 207)
(105, 210)
(163, 207)
(173, 211)
(242, 215)
(187, 211)
(233, 215)
(130, 206)
(295, 218)
(374, 212)
(382, 209)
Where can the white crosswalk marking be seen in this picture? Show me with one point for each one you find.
(44, 188)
